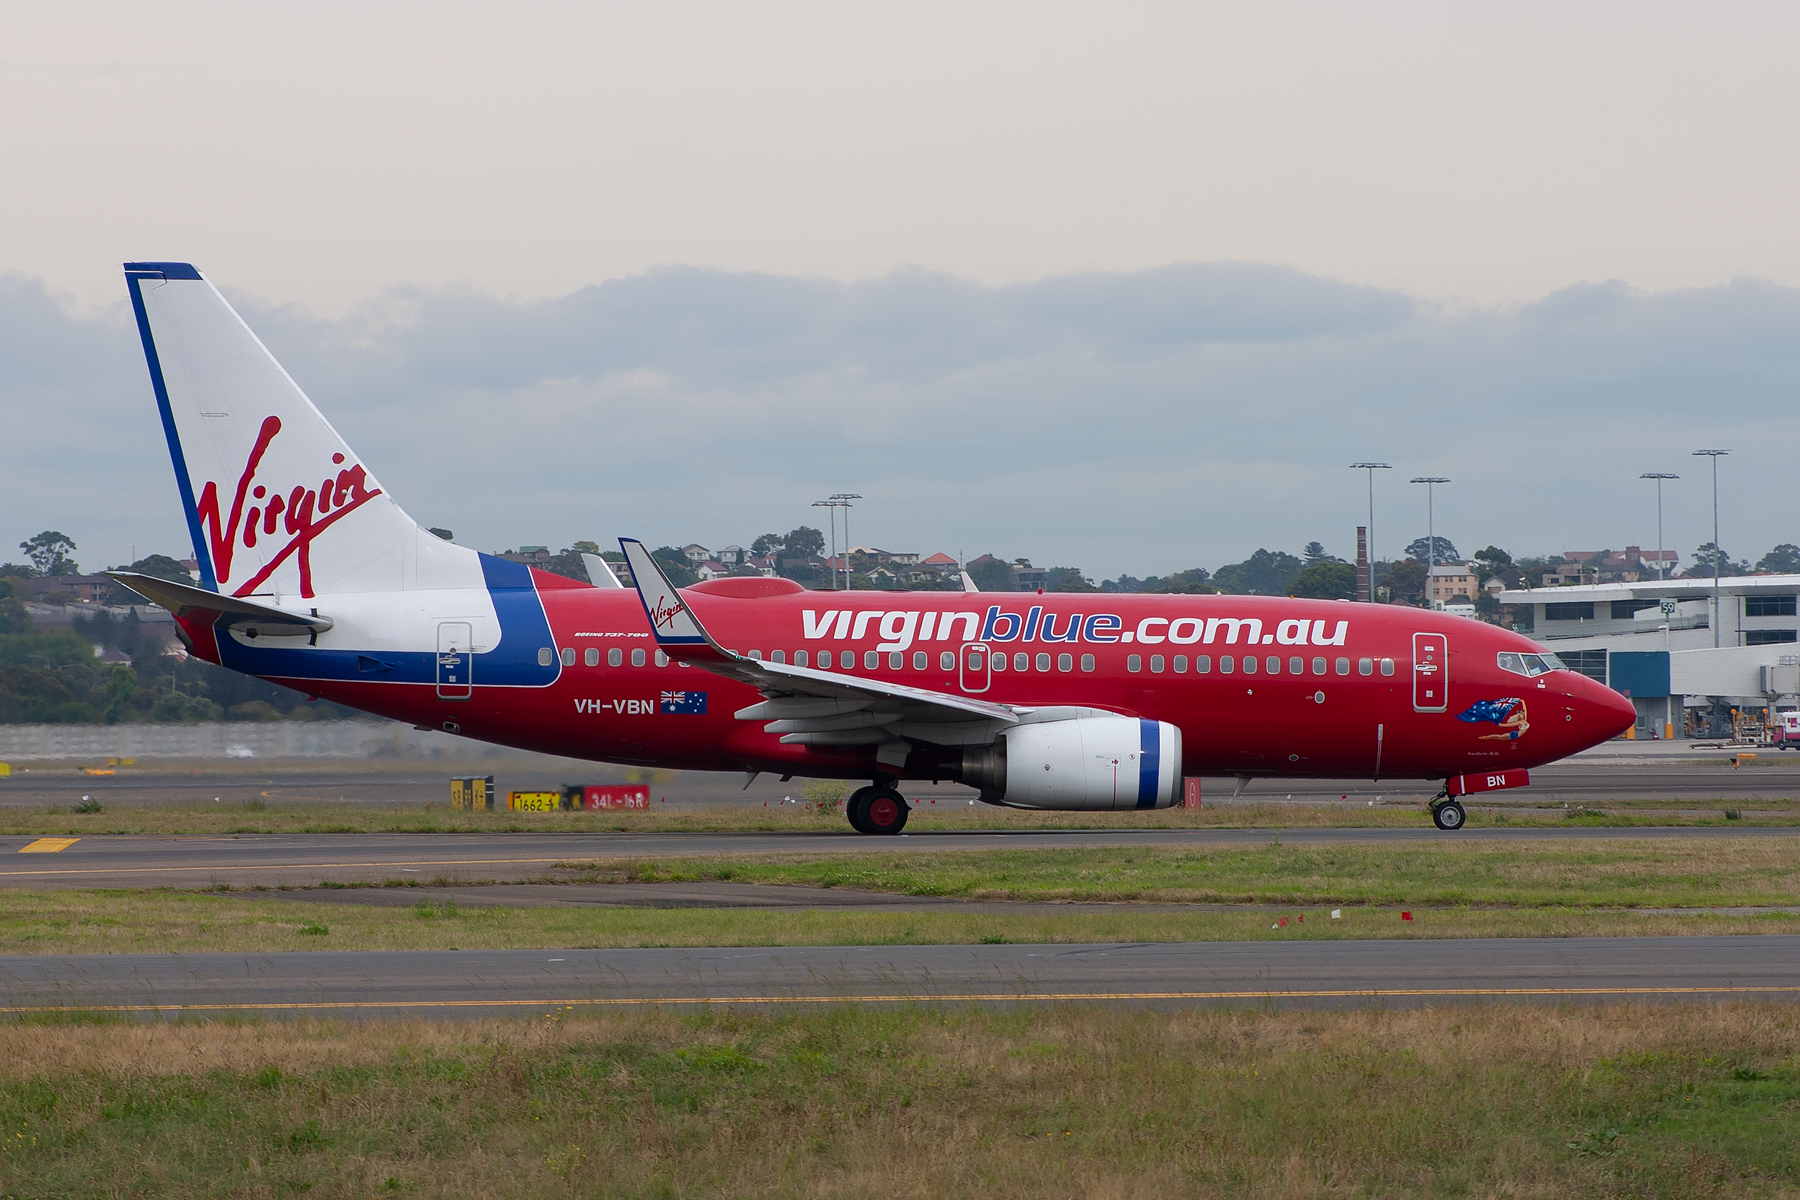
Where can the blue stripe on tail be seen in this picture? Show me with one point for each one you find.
(1149, 762)
(134, 273)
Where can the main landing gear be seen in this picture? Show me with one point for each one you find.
(877, 809)
(1446, 813)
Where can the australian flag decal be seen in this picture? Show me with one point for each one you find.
(683, 704)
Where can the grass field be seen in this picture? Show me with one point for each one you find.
(1399, 810)
(72, 922)
(1682, 873)
(1070, 1101)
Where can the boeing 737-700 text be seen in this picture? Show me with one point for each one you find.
(311, 576)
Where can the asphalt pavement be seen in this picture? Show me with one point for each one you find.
(1332, 974)
(305, 860)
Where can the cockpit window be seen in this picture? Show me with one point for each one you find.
(1529, 665)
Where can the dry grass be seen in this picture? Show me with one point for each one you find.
(277, 816)
(1072, 1101)
(72, 922)
(1668, 872)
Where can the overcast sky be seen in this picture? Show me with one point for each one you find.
(1122, 287)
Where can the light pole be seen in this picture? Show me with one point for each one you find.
(1371, 468)
(1718, 554)
(832, 517)
(1659, 476)
(1430, 482)
(843, 500)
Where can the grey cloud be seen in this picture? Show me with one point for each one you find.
(1144, 421)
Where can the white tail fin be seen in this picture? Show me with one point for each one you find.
(276, 502)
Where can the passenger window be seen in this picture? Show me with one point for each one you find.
(920, 658)
(1227, 664)
(871, 660)
(591, 656)
(1318, 666)
(1296, 666)
(546, 656)
(946, 661)
(1342, 666)
(780, 656)
(1065, 662)
(637, 657)
(662, 660)
(1087, 662)
(1203, 664)
(1387, 666)
(615, 657)
(896, 661)
(1043, 662)
(1365, 666)
(1249, 664)
(756, 656)
(568, 656)
(1022, 661)
(1134, 663)
(1180, 664)
(847, 659)
(975, 660)
(1273, 664)
(1156, 663)
(999, 662)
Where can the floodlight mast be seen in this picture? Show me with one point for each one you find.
(843, 500)
(1369, 541)
(1430, 482)
(1718, 554)
(832, 516)
(1659, 476)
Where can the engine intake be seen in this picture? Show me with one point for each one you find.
(1081, 763)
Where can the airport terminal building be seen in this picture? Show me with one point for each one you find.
(1661, 642)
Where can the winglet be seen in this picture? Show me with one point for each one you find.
(670, 620)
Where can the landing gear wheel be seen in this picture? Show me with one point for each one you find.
(1448, 815)
(857, 809)
(886, 812)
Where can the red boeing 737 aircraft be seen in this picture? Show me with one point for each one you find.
(311, 576)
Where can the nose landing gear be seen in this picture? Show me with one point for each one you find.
(877, 809)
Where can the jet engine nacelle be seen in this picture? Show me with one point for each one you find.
(1080, 763)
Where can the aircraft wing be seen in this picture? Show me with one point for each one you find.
(183, 599)
(812, 707)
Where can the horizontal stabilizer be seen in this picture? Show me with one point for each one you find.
(184, 599)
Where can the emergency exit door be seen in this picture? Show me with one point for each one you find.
(455, 661)
(1431, 672)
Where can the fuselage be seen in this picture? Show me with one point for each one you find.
(1258, 686)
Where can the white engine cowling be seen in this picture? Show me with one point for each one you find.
(1080, 763)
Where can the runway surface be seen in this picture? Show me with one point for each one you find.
(304, 860)
(1615, 772)
(1348, 974)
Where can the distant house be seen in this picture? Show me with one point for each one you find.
(531, 556)
(1453, 583)
(731, 556)
(1620, 566)
(696, 553)
(71, 589)
(939, 561)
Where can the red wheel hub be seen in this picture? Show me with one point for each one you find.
(883, 812)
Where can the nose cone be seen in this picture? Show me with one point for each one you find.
(1600, 713)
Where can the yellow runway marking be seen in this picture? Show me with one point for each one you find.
(299, 866)
(46, 846)
(968, 997)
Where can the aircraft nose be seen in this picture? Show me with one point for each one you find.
(1601, 713)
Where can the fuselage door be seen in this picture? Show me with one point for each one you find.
(455, 661)
(973, 671)
(1431, 672)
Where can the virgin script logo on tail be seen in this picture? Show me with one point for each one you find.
(299, 512)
